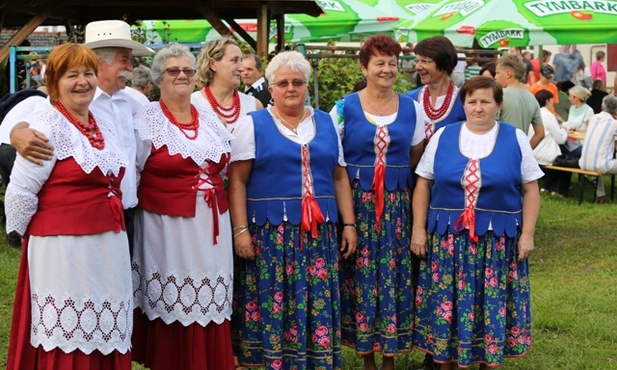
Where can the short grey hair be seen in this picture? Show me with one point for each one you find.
(173, 50)
(609, 104)
(106, 55)
(141, 76)
(292, 59)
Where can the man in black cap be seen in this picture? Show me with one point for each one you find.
(547, 73)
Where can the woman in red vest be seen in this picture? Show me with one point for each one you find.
(73, 305)
(182, 262)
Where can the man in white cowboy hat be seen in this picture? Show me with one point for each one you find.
(111, 41)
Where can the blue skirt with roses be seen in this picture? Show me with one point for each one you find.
(286, 301)
(377, 280)
(472, 300)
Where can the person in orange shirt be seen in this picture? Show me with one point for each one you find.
(535, 62)
(547, 73)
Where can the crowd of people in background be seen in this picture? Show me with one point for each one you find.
(229, 224)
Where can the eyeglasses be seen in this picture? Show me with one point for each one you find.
(175, 71)
(295, 83)
(424, 61)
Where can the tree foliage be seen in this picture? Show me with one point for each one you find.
(336, 78)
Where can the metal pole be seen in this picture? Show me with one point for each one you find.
(12, 74)
(28, 74)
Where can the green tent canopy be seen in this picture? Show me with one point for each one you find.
(499, 23)
(347, 20)
(342, 20)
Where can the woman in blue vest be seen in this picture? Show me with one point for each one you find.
(477, 195)
(288, 190)
(383, 138)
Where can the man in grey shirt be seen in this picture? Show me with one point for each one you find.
(520, 108)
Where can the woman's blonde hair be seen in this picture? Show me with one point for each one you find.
(580, 92)
(213, 50)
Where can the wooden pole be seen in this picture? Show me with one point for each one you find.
(214, 20)
(23, 33)
(243, 34)
(280, 33)
(263, 30)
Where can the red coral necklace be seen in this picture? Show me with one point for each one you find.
(184, 127)
(432, 113)
(90, 131)
(232, 113)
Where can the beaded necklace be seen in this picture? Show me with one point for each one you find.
(184, 127)
(432, 113)
(95, 138)
(232, 113)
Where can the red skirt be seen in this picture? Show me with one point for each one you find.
(22, 356)
(160, 346)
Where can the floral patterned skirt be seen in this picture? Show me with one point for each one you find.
(286, 300)
(473, 300)
(377, 280)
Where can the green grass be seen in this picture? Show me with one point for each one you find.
(573, 282)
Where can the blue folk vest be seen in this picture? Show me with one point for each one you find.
(499, 198)
(274, 189)
(359, 147)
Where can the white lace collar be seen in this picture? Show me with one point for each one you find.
(69, 142)
(211, 142)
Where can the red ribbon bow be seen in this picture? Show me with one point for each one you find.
(210, 198)
(378, 188)
(214, 196)
(311, 215)
(467, 219)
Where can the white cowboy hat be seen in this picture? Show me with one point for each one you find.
(113, 34)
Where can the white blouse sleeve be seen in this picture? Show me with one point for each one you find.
(144, 149)
(530, 170)
(341, 153)
(418, 135)
(27, 179)
(339, 126)
(243, 145)
(426, 165)
(559, 134)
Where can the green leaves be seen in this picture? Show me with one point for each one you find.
(336, 78)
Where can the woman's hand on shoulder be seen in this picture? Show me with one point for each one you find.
(419, 242)
(33, 145)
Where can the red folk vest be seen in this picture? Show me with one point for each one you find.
(72, 202)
